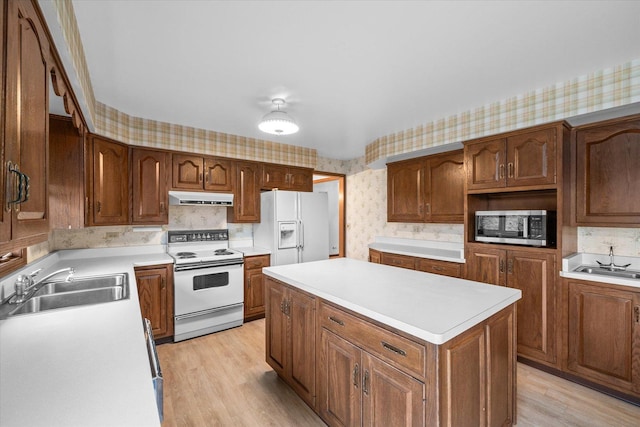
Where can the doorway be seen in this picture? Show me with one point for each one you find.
(334, 185)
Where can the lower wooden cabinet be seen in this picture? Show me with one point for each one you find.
(375, 256)
(155, 292)
(357, 388)
(254, 286)
(444, 268)
(291, 337)
(604, 335)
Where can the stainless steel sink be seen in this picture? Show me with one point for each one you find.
(623, 274)
(81, 284)
(78, 292)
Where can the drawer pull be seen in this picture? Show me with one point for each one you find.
(438, 268)
(338, 321)
(395, 349)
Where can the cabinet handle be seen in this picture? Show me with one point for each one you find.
(636, 311)
(287, 178)
(394, 349)
(207, 178)
(200, 177)
(338, 321)
(510, 169)
(161, 207)
(355, 375)
(428, 207)
(510, 266)
(282, 306)
(287, 307)
(249, 282)
(501, 171)
(26, 184)
(98, 206)
(501, 266)
(437, 268)
(163, 282)
(365, 382)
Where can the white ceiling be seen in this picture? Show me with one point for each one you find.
(351, 71)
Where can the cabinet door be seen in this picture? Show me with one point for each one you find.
(156, 299)
(187, 172)
(604, 335)
(275, 176)
(302, 320)
(219, 174)
(501, 369)
(375, 256)
(110, 183)
(608, 174)
(406, 191)
(276, 327)
(246, 202)
(531, 158)
(300, 179)
(27, 116)
(340, 377)
(254, 286)
(486, 265)
(445, 182)
(149, 186)
(389, 396)
(485, 164)
(534, 274)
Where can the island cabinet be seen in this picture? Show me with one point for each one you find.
(26, 65)
(427, 189)
(603, 333)
(246, 193)
(286, 178)
(155, 292)
(107, 182)
(149, 186)
(191, 172)
(533, 272)
(254, 286)
(291, 337)
(518, 159)
(608, 172)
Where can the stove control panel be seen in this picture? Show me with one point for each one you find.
(188, 236)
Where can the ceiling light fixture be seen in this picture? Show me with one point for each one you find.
(278, 122)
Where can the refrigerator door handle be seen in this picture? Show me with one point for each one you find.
(301, 231)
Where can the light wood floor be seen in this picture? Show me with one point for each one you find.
(222, 380)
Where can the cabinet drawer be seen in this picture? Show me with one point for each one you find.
(407, 355)
(399, 260)
(439, 267)
(257, 261)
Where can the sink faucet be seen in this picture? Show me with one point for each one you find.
(612, 266)
(26, 286)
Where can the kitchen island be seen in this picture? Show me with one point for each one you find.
(371, 344)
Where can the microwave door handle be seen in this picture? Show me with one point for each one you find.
(525, 227)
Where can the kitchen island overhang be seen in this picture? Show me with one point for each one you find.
(455, 337)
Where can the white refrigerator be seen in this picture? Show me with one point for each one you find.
(294, 226)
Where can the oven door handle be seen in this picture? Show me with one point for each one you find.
(199, 266)
(205, 312)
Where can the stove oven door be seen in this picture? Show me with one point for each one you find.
(208, 300)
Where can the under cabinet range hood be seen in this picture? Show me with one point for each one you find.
(195, 198)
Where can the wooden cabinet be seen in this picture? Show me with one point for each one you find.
(519, 159)
(246, 194)
(286, 178)
(427, 265)
(427, 189)
(533, 272)
(478, 375)
(608, 173)
(149, 186)
(357, 388)
(202, 173)
(254, 286)
(604, 334)
(108, 182)
(24, 216)
(291, 337)
(155, 292)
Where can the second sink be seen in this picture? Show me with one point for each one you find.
(624, 274)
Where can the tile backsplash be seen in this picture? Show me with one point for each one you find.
(597, 240)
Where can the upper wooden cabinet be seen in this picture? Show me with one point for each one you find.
(108, 182)
(427, 189)
(246, 194)
(202, 173)
(149, 180)
(286, 178)
(608, 173)
(519, 159)
(24, 198)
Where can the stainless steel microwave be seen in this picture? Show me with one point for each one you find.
(532, 228)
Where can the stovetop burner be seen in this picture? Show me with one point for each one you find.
(186, 254)
(223, 252)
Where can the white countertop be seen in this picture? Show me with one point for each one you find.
(253, 250)
(81, 366)
(573, 261)
(443, 251)
(432, 307)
